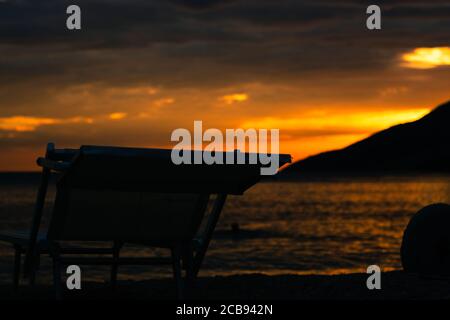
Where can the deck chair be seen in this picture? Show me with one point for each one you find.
(127, 196)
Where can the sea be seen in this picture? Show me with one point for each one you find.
(309, 226)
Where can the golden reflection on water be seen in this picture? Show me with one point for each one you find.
(332, 227)
(305, 227)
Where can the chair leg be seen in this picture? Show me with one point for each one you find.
(57, 283)
(34, 269)
(32, 278)
(115, 264)
(17, 262)
(189, 266)
(176, 263)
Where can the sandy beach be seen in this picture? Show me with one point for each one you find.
(396, 285)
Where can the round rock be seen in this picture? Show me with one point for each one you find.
(426, 241)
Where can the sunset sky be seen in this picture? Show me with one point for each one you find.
(139, 69)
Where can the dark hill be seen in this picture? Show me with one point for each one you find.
(419, 146)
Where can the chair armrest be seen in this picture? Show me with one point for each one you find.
(53, 165)
(62, 154)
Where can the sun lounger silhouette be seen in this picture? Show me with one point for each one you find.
(127, 195)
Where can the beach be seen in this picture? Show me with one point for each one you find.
(298, 239)
(395, 285)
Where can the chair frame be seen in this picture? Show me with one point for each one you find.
(188, 257)
(184, 256)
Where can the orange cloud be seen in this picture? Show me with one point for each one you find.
(131, 91)
(392, 91)
(163, 102)
(23, 123)
(427, 58)
(117, 115)
(233, 98)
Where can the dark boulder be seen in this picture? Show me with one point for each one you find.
(426, 241)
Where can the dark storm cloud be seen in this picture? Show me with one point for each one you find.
(140, 23)
(201, 4)
(43, 22)
(188, 43)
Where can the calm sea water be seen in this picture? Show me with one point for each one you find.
(300, 227)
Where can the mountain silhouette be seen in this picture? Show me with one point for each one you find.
(419, 146)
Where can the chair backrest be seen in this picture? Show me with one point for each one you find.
(130, 194)
(105, 215)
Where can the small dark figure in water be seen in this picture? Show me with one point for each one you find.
(235, 230)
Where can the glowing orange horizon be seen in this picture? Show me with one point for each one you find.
(333, 130)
